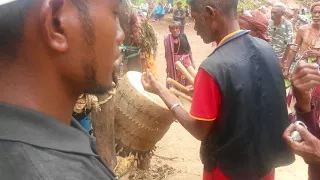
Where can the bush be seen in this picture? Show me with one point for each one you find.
(243, 4)
(250, 5)
(184, 2)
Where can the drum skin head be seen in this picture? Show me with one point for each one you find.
(135, 79)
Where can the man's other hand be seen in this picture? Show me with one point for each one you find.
(305, 77)
(308, 149)
(150, 83)
(312, 53)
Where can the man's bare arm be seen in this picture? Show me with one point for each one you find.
(199, 129)
(305, 77)
(293, 50)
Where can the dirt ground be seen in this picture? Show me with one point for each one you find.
(177, 154)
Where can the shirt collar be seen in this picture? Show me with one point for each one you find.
(19, 124)
(230, 37)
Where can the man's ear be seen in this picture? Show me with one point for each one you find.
(51, 22)
(210, 12)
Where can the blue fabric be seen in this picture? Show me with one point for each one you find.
(159, 10)
(158, 16)
(85, 123)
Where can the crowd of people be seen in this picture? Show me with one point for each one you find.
(52, 52)
(159, 10)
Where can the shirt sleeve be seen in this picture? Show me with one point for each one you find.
(270, 30)
(183, 12)
(290, 33)
(206, 98)
(175, 13)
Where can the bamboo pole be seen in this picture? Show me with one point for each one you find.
(180, 94)
(185, 72)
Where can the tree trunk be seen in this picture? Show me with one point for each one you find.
(103, 129)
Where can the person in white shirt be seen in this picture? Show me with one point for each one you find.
(144, 7)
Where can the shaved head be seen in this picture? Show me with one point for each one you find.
(225, 7)
(12, 19)
(64, 32)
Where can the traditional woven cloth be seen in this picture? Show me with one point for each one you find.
(86, 101)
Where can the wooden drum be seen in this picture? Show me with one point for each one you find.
(142, 118)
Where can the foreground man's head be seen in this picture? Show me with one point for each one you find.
(75, 41)
(51, 51)
(212, 17)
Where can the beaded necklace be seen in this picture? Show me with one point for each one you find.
(179, 44)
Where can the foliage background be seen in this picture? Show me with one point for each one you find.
(243, 4)
(250, 4)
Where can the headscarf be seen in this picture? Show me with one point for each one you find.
(314, 5)
(260, 28)
(260, 16)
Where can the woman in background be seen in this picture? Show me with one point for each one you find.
(177, 48)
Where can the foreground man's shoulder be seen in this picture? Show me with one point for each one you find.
(15, 164)
(35, 163)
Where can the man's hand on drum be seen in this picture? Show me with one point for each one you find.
(150, 83)
(304, 79)
(199, 129)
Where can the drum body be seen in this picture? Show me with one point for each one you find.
(142, 118)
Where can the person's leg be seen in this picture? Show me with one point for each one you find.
(160, 16)
(156, 17)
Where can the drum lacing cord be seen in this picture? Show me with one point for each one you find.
(88, 101)
(110, 93)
